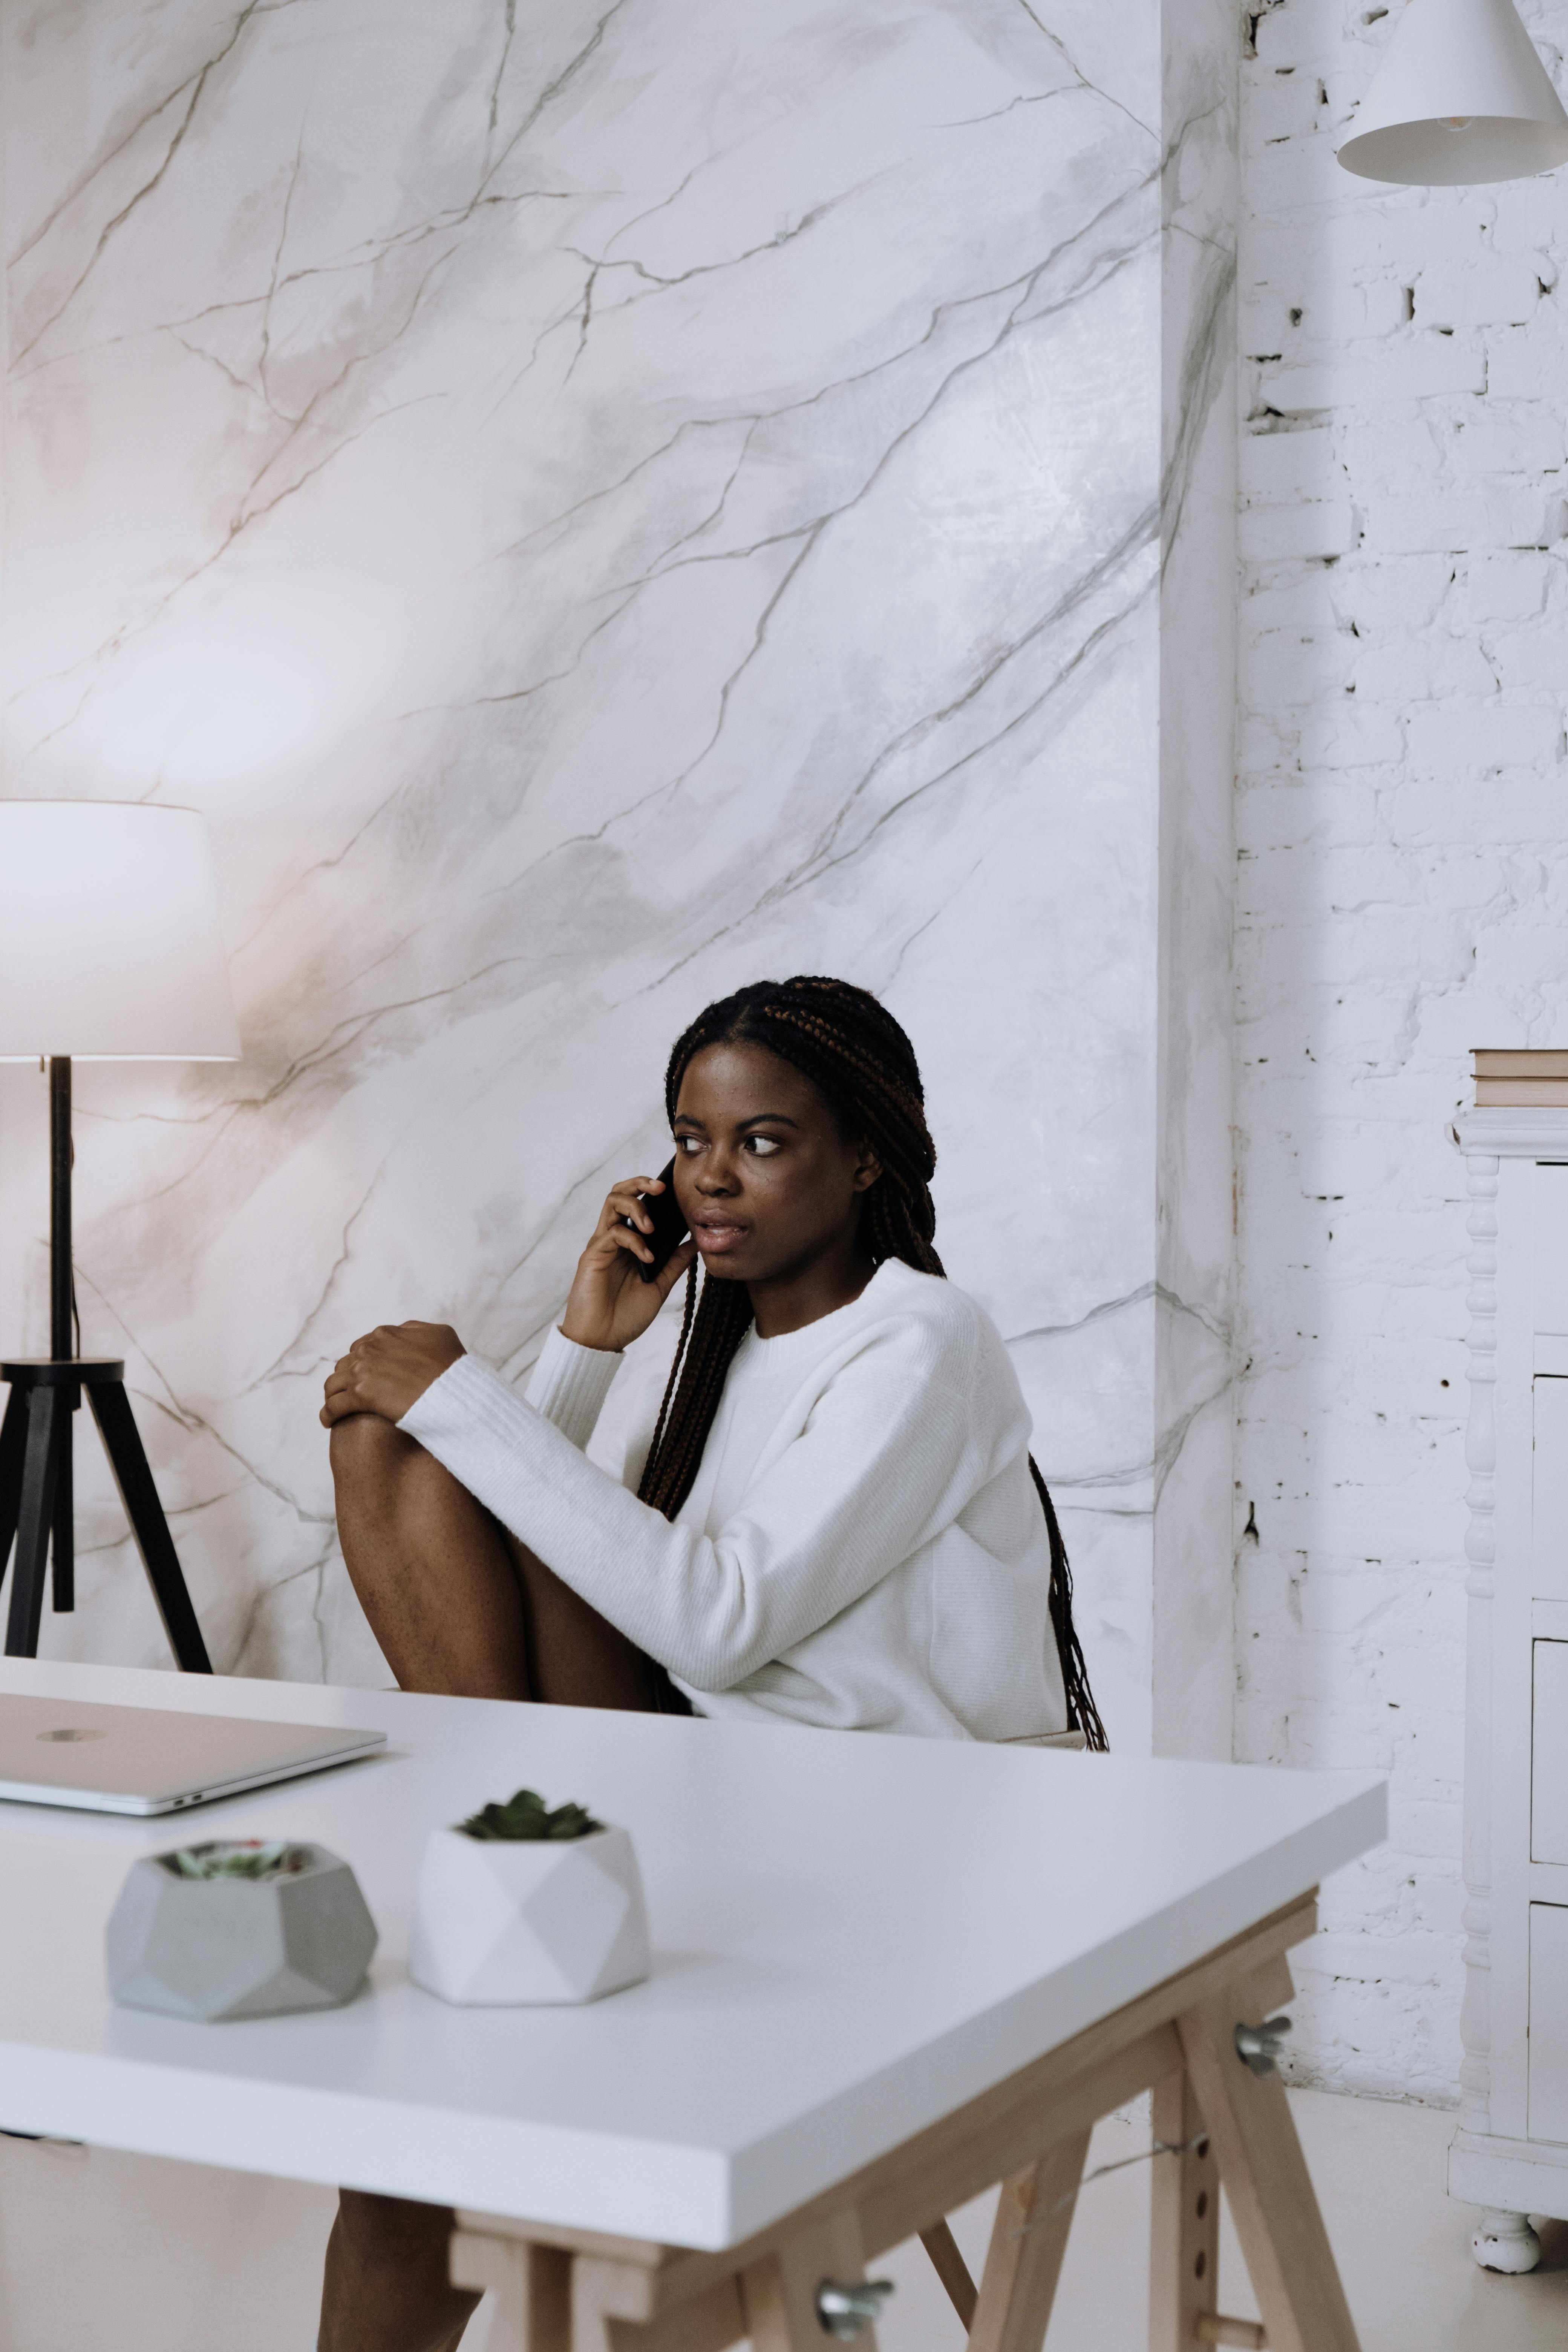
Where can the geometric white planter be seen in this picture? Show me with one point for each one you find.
(503, 1921)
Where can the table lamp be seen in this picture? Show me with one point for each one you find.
(110, 951)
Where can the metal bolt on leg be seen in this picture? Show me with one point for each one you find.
(847, 2311)
(1258, 2046)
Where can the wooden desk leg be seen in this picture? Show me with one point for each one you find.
(1184, 2246)
(1266, 2178)
(533, 2285)
(953, 2270)
(779, 2294)
(1024, 2260)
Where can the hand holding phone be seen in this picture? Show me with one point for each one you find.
(606, 1308)
(668, 1225)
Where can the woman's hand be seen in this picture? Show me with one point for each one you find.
(389, 1369)
(610, 1305)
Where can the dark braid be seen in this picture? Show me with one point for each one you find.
(712, 1328)
(1082, 1713)
(860, 1061)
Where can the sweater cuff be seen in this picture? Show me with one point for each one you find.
(465, 1395)
(568, 1388)
(568, 1385)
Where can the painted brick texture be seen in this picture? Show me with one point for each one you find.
(1403, 801)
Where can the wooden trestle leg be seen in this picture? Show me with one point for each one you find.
(564, 2291)
(1272, 2202)
(1029, 2239)
(953, 2270)
(779, 2294)
(1183, 2236)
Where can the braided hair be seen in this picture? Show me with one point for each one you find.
(860, 1061)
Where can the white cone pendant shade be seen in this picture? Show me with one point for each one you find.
(110, 945)
(1460, 97)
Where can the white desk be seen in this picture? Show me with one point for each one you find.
(857, 1940)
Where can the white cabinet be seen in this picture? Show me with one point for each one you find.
(1549, 1754)
(1548, 1249)
(1511, 2153)
(1548, 2022)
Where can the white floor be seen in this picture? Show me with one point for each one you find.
(100, 2249)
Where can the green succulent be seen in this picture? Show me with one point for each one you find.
(527, 1816)
(238, 1858)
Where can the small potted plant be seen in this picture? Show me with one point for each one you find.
(522, 1903)
(238, 1927)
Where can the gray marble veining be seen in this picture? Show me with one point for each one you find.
(596, 503)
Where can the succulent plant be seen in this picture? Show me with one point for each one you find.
(527, 1816)
(237, 1858)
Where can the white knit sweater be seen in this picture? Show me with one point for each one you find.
(863, 1548)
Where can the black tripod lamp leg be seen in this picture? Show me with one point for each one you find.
(39, 1468)
(64, 1544)
(121, 1442)
(13, 1444)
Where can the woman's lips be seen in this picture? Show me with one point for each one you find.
(714, 1239)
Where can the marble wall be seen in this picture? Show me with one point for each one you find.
(597, 503)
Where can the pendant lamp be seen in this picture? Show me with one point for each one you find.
(1459, 97)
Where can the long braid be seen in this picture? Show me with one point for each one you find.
(1082, 1713)
(859, 1059)
(680, 1347)
(712, 1335)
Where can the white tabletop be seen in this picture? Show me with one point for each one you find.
(853, 1935)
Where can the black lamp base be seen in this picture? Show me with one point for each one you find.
(36, 1479)
(37, 1496)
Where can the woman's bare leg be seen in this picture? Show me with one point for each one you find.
(430, 1565)
(575, 1657)
(386, 2281)
(459, 1607)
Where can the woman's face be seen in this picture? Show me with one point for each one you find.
(767, 1182)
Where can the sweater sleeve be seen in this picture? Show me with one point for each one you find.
(568, 1385)
(887, 1457)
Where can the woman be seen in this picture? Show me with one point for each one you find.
(832, 1517)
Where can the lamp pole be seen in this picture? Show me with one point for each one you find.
(62, 1345)
(60, 1342)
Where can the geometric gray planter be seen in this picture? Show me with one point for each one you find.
(226, 1947)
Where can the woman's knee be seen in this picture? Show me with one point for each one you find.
(366, 1451)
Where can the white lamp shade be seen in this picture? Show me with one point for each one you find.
(1460, 97)
(110, 945)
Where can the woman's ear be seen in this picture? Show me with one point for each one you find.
(868, 1167)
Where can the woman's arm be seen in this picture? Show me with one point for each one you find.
(889, 1455)
(608, 1306)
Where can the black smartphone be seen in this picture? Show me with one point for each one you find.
(668, 1225)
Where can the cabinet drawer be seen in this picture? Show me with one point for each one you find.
(1549, 1220)
(1548, 1486)
(1549, 1754)
(1548, 2022)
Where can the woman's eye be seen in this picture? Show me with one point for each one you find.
(763, 1145)
(685, 1145)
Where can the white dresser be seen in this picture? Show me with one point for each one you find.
(1511, 2153)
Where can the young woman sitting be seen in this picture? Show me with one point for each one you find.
(831, 1519)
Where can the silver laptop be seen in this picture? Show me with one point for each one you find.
(150, 1760)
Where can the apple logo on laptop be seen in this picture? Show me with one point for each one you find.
(70, 1731)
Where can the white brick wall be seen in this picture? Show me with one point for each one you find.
(1403, 896)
